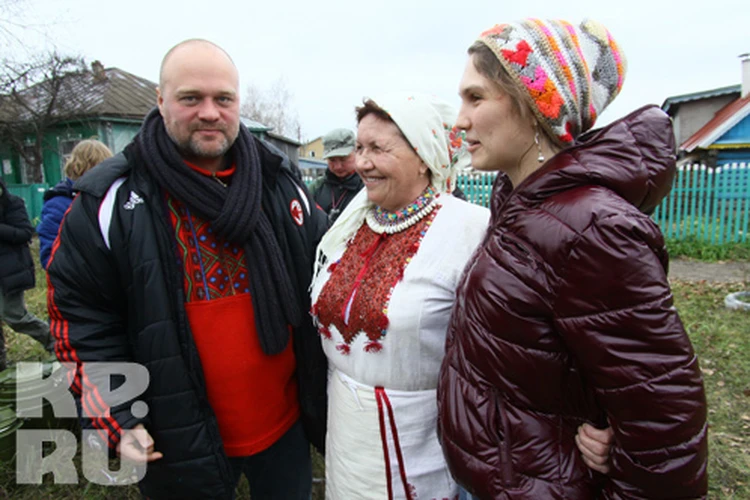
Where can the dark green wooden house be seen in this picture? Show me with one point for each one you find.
(110, 105)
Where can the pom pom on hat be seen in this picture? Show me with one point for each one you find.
(569, 73)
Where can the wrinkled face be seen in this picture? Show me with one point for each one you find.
(199, 101)
(342, 166)
(392, 172)
(496, 135)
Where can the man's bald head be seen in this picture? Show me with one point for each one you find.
(198, 98)
(187, 45)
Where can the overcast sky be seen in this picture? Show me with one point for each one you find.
(333, 53)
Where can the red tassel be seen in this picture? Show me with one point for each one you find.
(383, 322)
(344, 349)
(412, 490)
(332, 267)
(373, 346)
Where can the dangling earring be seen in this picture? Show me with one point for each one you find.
(539, 158)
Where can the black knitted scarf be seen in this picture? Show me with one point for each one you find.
(235, 214)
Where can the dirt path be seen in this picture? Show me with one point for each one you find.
(722, 272)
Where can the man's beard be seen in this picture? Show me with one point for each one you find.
(196, 149)
(193, 148)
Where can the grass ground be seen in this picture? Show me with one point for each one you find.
(722, 341)
(721, 338)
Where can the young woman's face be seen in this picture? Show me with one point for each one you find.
(393, 173)
(497, 136)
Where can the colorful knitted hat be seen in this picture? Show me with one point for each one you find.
(570, 73)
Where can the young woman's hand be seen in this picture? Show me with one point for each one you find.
(595, 445)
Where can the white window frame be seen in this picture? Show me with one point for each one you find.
(64, 156)
(25, 177)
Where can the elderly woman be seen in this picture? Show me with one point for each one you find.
(85, 156)
(382, 300)
(564, 314)
(384, 287)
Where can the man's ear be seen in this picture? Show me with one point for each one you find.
(159, 98)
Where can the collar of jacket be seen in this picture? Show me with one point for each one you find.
(351, 182)
(62, 188)
(98, 180)
(633, 156)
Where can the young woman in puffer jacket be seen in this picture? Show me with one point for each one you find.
(564, 315)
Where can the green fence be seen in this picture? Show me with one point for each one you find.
(33, 196)
(709, 204)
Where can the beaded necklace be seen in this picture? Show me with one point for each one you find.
(383, 221)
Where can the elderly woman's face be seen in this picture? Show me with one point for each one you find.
(496, 135)
(392, 172)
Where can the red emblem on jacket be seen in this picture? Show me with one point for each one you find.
(295, 208)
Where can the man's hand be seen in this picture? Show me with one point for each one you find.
(137, 445)
(595, 445)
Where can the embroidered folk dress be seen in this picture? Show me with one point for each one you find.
(382, 310)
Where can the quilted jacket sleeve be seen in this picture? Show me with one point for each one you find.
(87, 317)
(15, 227)
(53, 211)
(615, 313)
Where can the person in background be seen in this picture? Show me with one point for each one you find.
(85, 156)
(17, 272)
(337, 187)
(564, 315)
(190, 253)
(382, 294)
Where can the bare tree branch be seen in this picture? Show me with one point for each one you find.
(39, 94)
(273, 107)
(15, 24)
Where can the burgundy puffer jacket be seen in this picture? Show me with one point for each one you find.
(564, 316)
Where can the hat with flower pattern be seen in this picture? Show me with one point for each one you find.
(569, 73)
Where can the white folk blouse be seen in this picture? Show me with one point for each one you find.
(382, 440)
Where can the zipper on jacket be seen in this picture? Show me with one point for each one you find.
(503, 432)
(174, 282)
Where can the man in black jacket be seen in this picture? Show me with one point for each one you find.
(337, 187)
(17, 272)
(191, 253)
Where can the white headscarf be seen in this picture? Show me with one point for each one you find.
(428, 123)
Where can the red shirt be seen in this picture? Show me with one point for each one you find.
(254, 396)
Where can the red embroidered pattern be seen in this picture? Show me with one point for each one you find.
(370, 268)
(210, 264)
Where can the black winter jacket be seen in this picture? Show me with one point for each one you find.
(123, 299)
(16, 264)
(333, 194)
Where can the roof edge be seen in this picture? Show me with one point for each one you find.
(713, 131)
(703, 94)
(284, 138)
